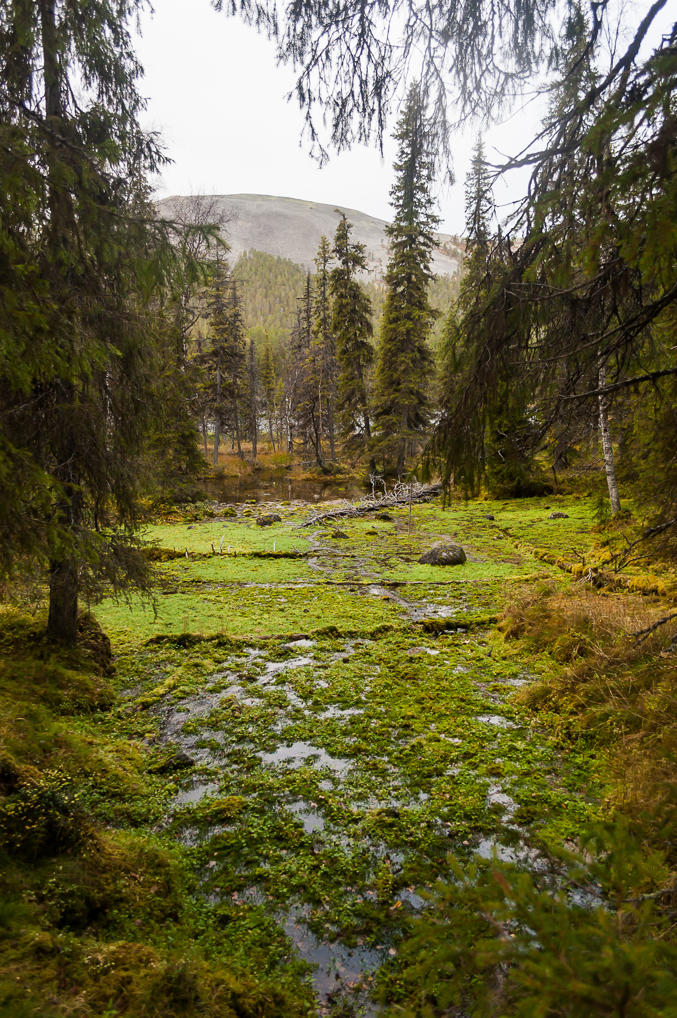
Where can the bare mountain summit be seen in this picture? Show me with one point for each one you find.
(291, 228)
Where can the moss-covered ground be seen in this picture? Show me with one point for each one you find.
(306, 726)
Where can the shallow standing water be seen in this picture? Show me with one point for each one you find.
(267, 486)
(355, 725)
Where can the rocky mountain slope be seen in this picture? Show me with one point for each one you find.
(291, 228)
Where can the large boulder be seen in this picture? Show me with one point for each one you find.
(444, 553)
(268, 520)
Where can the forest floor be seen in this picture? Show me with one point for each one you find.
(304, 734)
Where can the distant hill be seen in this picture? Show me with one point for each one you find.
(291, 228)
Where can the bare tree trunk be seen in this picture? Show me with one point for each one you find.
(332, 436)
(204, 435)
(316, 441)
(606, 441)
(217, 417)
(270, 428)
(253, 395)
(217, 440)
(237, 430)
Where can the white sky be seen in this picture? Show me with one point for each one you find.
(218, 100)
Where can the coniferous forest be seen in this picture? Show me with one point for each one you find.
(338, 619)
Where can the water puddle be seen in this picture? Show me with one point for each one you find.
(312, 820)
(497, 797)
(337, 968)
(195, 793)
(495, 719)
(339, 713)
(276, 667)
(300, 752)
(240, 694)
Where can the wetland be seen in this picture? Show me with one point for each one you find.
(351, 719)
(319, 734)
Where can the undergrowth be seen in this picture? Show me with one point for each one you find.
(599, 941)
(617, 686)
(98, 914)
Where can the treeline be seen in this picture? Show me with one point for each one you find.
(354, 373)
(270, 287)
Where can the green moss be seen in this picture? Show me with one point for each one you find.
(239, 537)
(324, 782)
(246, 612)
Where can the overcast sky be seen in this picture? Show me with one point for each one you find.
(218, 100)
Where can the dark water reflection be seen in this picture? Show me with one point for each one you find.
(268, 486)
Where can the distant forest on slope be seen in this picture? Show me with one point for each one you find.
(271, 286)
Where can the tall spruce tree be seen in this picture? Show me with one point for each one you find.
(325, 346)
(83, 263)
(352, 328)
(479, 202)
(296, 390)
(402, 405)
(222, 358)
(268, 376)
(492, 440)
(253, 393)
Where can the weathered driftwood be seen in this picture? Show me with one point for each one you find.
(401, 495)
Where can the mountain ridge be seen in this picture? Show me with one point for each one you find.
(292, 227)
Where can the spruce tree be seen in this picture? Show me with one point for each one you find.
(402, 407)
(311, 379)
(223, 357)
(479, 202)
(84, 261)
(352, 328)
(295, 380)
(253, 387)
(268, 376)
(325, 346)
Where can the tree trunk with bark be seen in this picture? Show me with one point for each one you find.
(62, 621)
(607, 448)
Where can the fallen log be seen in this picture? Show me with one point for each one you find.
(401, 495)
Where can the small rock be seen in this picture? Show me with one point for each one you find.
(558, 516)
(267, 521)
(179, 761)
(371, 533)
(443, 553)
(228, 510)
(338, 535)
(383, 516)
(488, 516)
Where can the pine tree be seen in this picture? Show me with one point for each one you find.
(352, 329)
(83, 262)
(402, 411)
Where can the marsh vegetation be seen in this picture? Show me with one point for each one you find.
(321, 771)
